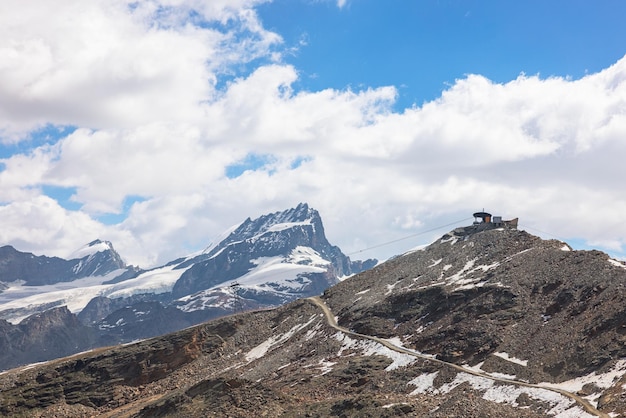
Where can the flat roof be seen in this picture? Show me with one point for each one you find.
(481, 214)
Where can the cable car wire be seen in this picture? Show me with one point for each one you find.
(409, 236)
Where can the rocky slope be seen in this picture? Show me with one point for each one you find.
(54, 333)
(489, 324)
(466, 297)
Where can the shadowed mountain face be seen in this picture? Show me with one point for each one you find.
(496, 323)
(42, 270)
(295, 236)
(261, 263)
(51, 334)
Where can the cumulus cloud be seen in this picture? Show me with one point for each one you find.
(40, 225)
(111, 64)
(139, 81)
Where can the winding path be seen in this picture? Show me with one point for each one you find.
(330, 318)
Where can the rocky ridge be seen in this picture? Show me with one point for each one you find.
(99, 258)
(494, 291)
(503, 307)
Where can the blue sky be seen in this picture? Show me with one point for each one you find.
(158, 126)
(423, 46)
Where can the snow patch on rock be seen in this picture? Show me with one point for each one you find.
(369, 348)
(276, 340)
(506, 357)
(561, 406)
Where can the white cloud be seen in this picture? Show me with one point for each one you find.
(40, 225)
(140, 86)
(112, 64)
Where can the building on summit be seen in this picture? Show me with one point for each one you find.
(485, 220)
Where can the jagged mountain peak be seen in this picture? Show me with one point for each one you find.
(96, 259)
(94, 247)
(271, 241)
(100, 243)
(250, 228)
(300, 214)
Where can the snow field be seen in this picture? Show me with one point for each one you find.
(603, 380)
(562, 406)
(270, 273)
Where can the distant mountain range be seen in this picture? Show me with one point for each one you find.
(94, 299)
(96, 259)
(486, 321)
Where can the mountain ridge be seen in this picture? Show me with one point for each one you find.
(42, 270)
(261, 263)
(515, 318)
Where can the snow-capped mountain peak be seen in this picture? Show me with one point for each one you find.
(266, 261)
(251, 229)
(92, 248)
(274, 235)
(96, 259)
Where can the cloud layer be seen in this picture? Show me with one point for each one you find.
(167, 96)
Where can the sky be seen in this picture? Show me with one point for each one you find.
(159, 124)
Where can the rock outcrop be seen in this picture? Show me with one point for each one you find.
(51, 334)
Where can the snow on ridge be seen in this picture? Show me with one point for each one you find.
(160, 280)
(452, 240)
(269, 274)
(275, 270)
(561, 406)
(469, 268)
(223, 238)
(89, 250)
(469, 286)
(271, 223)
(325, 367)
(286, 225)
(277, 227)
(390, 288)
(435, 262)
(506, 357)
(218, 240)
(424, 383)
(617, 263)
(204, 300)
(421, 247)
(308, 255)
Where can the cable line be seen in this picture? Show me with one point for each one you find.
(409, 236)
(524, 226)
